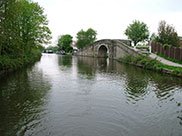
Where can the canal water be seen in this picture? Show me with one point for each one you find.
(81, 96)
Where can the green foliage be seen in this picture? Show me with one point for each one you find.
(153, 64)
(146, 63)
(152, 37)
(24, 26)
(23, 29)
(9, 63)
(53, 48)
(65, 42)
(167, 35)
(166, 45)
(141, 61)
(85, 37)
(137, 32)
(142, 47)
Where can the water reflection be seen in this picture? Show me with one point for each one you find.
(22, 100)
(136, 88)
(65, 60)
(87, 66)
(65, 95)
(139, 83)
(137, 80)
(179, 117)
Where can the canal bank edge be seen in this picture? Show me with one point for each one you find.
(8, 64)
(151, 64)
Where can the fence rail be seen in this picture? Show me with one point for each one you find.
(170, 52)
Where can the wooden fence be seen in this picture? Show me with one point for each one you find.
(171, 52)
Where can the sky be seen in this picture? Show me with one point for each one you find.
(109, 18)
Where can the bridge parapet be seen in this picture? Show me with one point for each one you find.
(114, 49)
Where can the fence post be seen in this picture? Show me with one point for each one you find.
(180, 53)
(161, 48)
(172, 52)
(158, 48)
(169, 52)
(177, 53)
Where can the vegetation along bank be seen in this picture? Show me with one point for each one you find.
(167, 37)
(152, 64)
(23, 29)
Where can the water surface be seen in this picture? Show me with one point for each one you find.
(81, 96)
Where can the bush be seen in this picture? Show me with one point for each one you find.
(12, 63)
(146, 63)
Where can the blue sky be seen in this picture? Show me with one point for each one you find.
(109, 18)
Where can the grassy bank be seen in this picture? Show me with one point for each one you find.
(10, 63)
(152, 64)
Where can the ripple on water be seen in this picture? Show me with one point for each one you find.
(84, 97)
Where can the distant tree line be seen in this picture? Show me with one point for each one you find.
(84, 38)
(137, 32)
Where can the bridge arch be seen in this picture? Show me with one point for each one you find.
(116, 49)
(103, 51)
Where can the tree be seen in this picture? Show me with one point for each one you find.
(167, 34)
(23, 27)
(137, 32)
(6, 20)
(85, 37)
(65, 42)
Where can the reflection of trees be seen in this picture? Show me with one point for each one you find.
(136, 82)
(65, 60)
(21, 97)
(165, 85)
(136, 87)
(137, 79)
(87, 66)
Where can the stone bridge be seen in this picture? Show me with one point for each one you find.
(113, 49)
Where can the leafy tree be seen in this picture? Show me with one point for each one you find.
(65, 43)
(137, 32)
(153, 37)
(6, 23)
(167, 34)
(85, 37)
(23, 27)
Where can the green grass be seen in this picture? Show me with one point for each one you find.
(152, 64)
(142, 47)
(170, 59)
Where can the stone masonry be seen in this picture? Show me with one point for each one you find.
(114, 49)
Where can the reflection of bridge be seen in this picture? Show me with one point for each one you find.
(115, 49)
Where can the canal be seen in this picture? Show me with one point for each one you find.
(81, 96)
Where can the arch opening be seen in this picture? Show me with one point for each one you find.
(103, 51)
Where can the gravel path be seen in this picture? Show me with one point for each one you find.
(164, 61)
